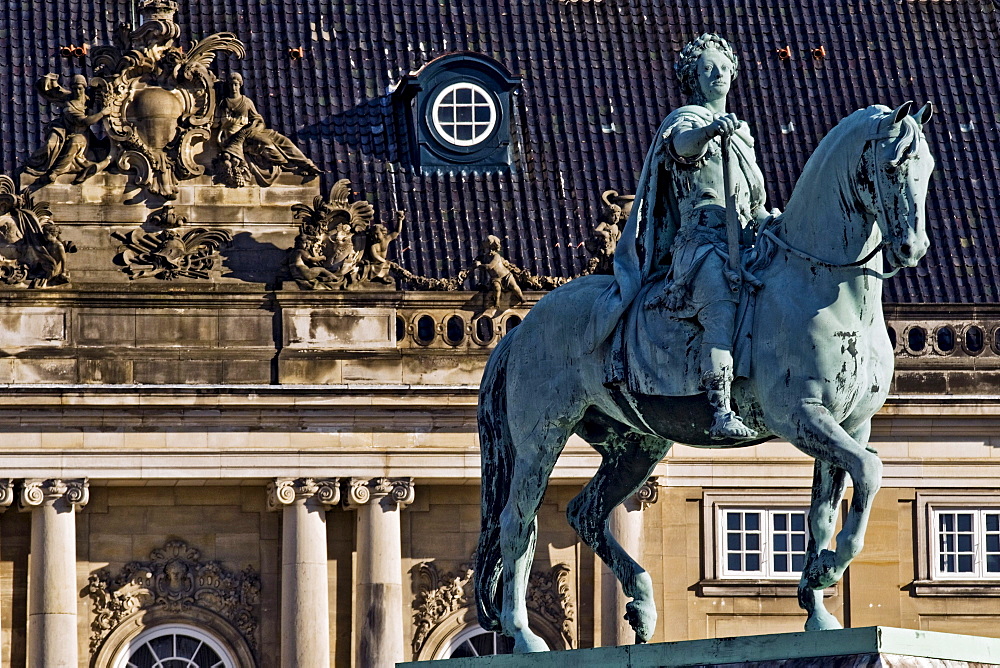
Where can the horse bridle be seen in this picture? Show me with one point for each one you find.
(880, 203)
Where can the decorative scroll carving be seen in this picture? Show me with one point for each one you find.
(604, 238)
(338, 246)
(32, 254)
(440, 594)
(171, 254)
(175, 579)
(285, 491)
(6, 493)
(550, 595)
(360, 491)
(648, 494)
(166, 218)
(159, 98)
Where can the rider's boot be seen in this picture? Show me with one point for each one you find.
(717, 382)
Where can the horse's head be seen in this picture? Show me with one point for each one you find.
(893, 177)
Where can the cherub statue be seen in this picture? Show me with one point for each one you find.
(248, 147)
(68, 137)
(376, 264)
(305, 264)
(497, 276)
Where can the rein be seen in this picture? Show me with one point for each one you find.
(812, 259)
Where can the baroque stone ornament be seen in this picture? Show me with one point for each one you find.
(338, 245)
(606, 358)
(248, 149)
(648, 494)
(285, 491)
(604, 239)
(6, 493)
(175, 579)
(159, 97)
(70, 145)
(441, 594)
(172, 253)
(32, 252)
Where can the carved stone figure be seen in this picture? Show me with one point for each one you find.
(171, 254)
(175, 580)
(602, 242)
(248, 149)
(70, 146)
(160, 97)
(32, 252)
(819, 368)
(338, 246)
(496, 276)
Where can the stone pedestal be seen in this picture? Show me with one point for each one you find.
(869, 646)
(378, 612)
(626, 527)
(52, 587)
(305, 607)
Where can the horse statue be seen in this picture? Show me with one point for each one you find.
(859, 201)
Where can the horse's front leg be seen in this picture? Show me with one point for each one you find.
(813, 430)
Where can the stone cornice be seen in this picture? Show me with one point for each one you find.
(286, 491)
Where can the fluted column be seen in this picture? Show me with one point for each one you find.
(6, 498)
(378, 613)
(626, 527)
(305, 607)
(52, 587)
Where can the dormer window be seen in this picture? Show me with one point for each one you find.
(458, 110)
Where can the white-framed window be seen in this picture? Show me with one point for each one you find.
(464, 114)
(965, 543)
(762, 543)
(174, 646)
(474, 641)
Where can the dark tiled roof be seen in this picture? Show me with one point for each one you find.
(597, 79)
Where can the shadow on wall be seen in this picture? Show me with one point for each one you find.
(376, 127)
(254, 261)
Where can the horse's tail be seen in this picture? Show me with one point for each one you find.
(496, 450)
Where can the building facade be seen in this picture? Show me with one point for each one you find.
(240, 396)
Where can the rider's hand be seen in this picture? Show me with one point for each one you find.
(724, 126)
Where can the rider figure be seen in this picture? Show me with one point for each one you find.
(701, 284)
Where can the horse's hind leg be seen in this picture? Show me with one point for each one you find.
(627, 463)
(829, 482)
(536, 458)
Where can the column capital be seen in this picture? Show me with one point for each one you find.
(286, 491)
(6, 493)
(646, 495)
(361, 491)
(36, 492)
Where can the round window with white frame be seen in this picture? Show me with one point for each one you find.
(474, 641)
(174, 646)
(464, 114)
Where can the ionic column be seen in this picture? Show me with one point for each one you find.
(305, 607)
(52, 587)
(626, 527)
(378, 612)
(6, 498)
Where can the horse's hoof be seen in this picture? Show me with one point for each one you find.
(527, 642)
(822, 572)
(641, 616)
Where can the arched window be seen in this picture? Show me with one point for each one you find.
(474, 641)
(174, 646)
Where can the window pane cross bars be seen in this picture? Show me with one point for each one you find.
(967, 544)
(762, 543)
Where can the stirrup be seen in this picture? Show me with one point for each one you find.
(728, 424)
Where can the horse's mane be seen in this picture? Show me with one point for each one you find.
(837, 157)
